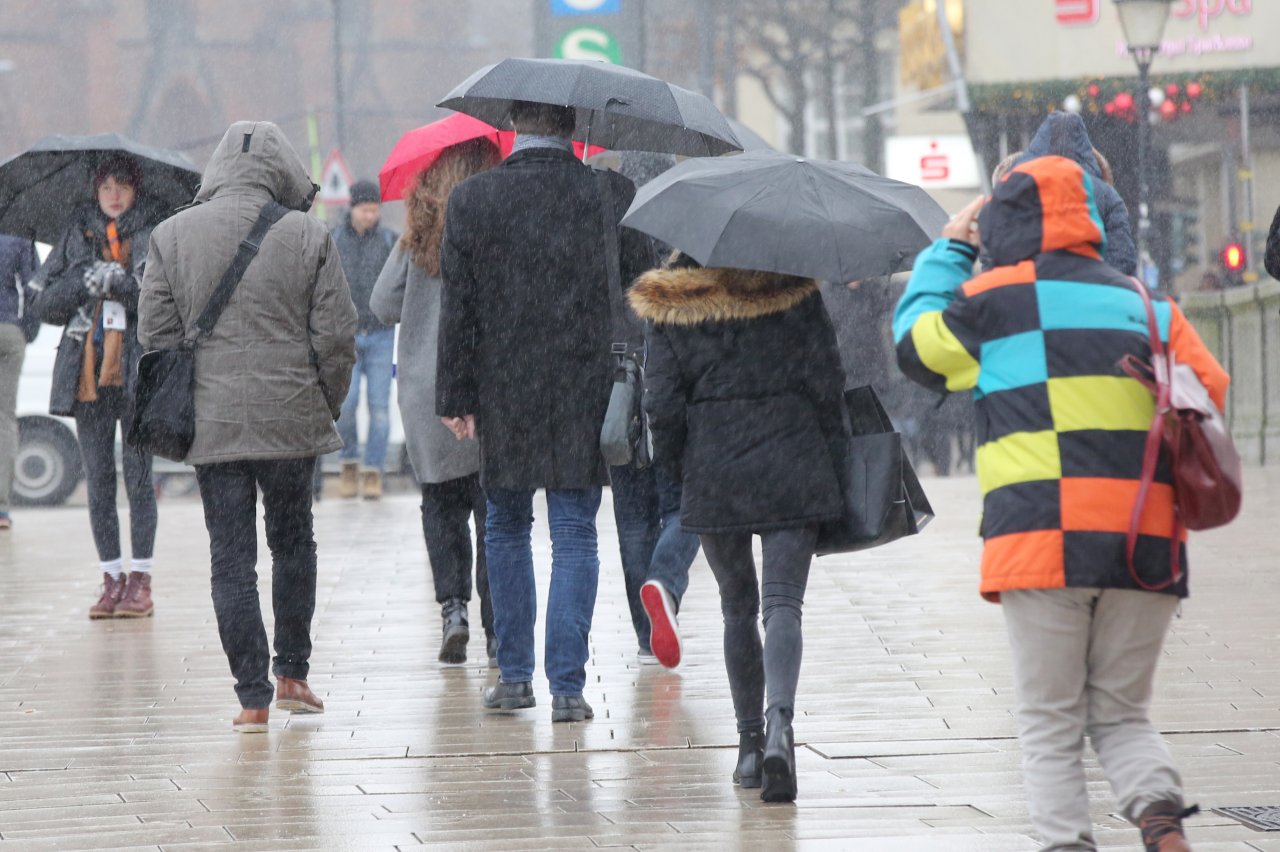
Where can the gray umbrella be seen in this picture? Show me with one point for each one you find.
(42, 186)
(781, 213)
(618, 108)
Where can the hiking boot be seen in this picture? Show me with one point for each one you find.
(664, 635)
(348, 482)
(1161, 827)
(570, 708)
(135, 601)
(457, 632)
(112, 590)
(295, 696)
(778, 770)
(510, 696)
(371, 485)
(251, 720)
(750, 757)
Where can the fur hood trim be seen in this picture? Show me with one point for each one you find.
(692, 296)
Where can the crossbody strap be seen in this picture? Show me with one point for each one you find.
(1160, 366)
(270, 214)
(621, 344)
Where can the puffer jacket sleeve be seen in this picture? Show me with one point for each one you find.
(1272, 258)
(1121, 253)
(387, 299)
(332, 325)
(825, 379)
(933, 324)
(159, 321)
(59, 283)
(1189, 349)
(665, 403)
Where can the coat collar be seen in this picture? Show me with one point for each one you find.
(692, 296)
(535, 154)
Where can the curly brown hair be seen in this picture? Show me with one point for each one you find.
(427, 200)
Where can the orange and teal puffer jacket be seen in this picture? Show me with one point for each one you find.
(1060, 427)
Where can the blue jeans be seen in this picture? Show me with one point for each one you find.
(646, 508)
(375, 351)
(575, 573)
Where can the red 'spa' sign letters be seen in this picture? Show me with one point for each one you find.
(1077, 11)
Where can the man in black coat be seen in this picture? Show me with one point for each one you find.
(524, 366)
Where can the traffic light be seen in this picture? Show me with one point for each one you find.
(1234, 258)
(1185, 239)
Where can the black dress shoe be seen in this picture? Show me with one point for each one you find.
(750, 757)
(510, 696)
(570, 708)
(456, 632)
(778, 771)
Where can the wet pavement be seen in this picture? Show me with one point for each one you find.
(117, 733)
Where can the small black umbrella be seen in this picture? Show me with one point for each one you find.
(780, 213)
(40, 187)
(618, 107)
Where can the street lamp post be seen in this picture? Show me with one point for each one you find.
(1143, 22)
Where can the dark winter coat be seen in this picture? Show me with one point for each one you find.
(60, 292)
(271, 378)
(1272, 259)
(363, 256)
(1063, 134)
(744, 392)
(18, 265)
(524, 337)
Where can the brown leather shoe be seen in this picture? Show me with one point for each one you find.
(1161, 826)
(295, 696)
(112, 589)
(135, 602)
(349, 481)
(252, 720)
(371, 486)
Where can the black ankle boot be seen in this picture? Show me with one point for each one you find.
(778, 771)
(750, 756)
(453, 645)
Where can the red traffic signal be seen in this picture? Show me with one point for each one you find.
(1233, 257)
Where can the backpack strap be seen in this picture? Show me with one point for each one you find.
(270, 214)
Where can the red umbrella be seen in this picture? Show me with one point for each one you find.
(418, 149)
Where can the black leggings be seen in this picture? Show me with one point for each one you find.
(787, 556)
(96, 431)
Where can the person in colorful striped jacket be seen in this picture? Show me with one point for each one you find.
(1038, 340)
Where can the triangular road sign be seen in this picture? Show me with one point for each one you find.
(335, 180)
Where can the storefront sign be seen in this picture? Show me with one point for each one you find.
(933, 162)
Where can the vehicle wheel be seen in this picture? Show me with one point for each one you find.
(48, 466)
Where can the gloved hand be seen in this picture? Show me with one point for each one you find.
(103, 277)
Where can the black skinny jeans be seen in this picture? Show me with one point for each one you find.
(229, 492)
(787, 556)
(446, 509)
(96, 432)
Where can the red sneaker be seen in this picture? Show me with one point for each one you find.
(664, 634)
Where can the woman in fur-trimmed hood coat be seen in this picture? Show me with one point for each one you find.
(744, 392)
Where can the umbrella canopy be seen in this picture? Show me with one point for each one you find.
(419, 149)
(619, 108)
(780, 213)
(42, 186)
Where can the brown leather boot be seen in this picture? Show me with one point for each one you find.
(1161, 827)
(294, 695)
(135, 602)
(252, 720)
(348, 482)
(371, 487)
(112, 589)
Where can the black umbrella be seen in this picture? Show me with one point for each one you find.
(781, 213)
(618, 108)
(40, 187)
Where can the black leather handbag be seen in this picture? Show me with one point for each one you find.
(164, 408)
(882, 495)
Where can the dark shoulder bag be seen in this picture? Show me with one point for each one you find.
(624, 436)
(164, 410)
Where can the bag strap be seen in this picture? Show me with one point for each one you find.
(621, 344)
(270, 214)
(1160, 367)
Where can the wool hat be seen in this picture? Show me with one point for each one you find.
(365, 192)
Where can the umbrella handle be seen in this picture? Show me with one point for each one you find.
(586, 144)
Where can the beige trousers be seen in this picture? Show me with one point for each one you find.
(1083, 664)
